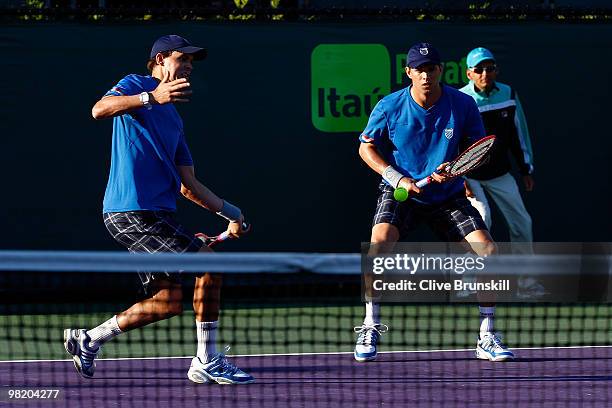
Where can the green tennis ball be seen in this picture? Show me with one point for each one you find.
(400, 194)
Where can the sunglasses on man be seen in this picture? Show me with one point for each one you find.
(489, 69)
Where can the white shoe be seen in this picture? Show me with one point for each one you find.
(490, 347)
(365, 348)
(217, 370)
(76, 343)
(465, 293)
(530, 288)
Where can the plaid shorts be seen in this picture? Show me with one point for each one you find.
(151, 232)
(450, 220)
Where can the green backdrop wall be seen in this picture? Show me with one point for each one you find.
(251, 133)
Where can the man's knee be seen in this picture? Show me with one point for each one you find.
(481, 243)
(384, 237)
(209, 281)
(489, 248)
(384, 233)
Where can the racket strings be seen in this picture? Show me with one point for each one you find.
(470, 158)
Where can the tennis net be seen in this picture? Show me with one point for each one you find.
(289, 320)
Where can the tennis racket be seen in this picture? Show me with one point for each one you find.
(470, 159)
(212, 241)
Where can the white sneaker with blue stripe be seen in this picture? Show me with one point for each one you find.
(217, 370)
(76, 343)
(529, 288)
(365, 349)
(490, 347)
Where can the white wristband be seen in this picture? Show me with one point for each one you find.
(392, 176)
(230, 212)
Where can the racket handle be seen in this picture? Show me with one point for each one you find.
(211, 241)
(225, 235)
(424, 182)
(222, 236)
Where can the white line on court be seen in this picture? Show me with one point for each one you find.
(306, 354)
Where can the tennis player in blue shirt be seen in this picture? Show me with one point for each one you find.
(411, 134)
(150, 165)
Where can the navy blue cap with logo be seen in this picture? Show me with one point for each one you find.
(422, 53)
(177, 43)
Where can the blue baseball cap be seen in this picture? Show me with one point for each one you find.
(422, 53)
(174, 42)
(477, 55)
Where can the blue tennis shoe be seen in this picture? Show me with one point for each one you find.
(76, 342)
(217, 370)
(490, 347)
(365, 349)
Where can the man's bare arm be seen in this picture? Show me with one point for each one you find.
(193, 190)
(166, 92)
(112, 105)
(371, 156)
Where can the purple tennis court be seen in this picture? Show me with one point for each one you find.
(551, 377)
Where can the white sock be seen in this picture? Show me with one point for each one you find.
(207, 337)
(372, 315)
(104, 332)
(487, 319)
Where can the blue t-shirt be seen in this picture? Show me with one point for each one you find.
(416, 140)
(147, 147)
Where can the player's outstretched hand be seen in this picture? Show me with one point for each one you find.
(440, 175)
(171, 91)
(409, 185)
